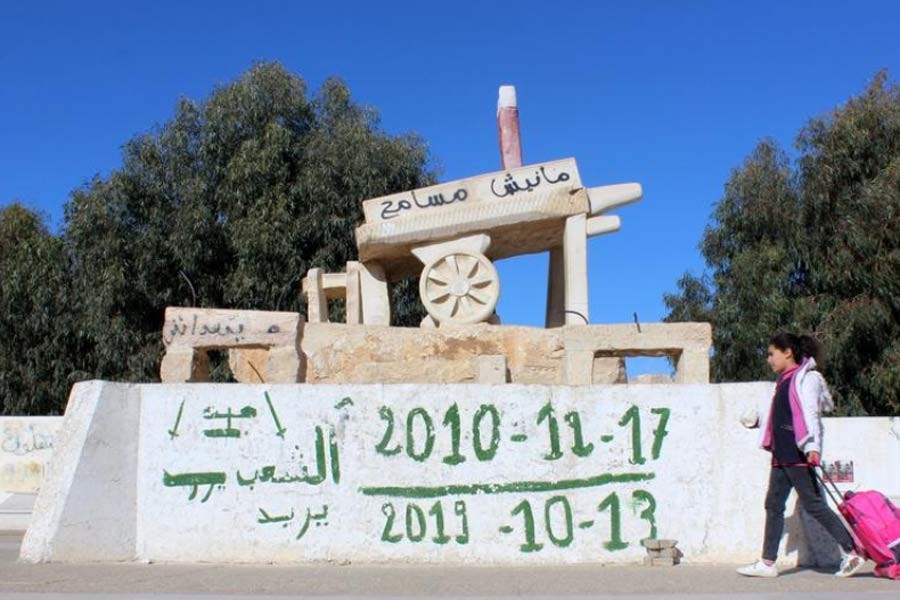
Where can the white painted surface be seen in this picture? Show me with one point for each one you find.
(608, 197)
(707, 479)
(86, 507)
(26, 445)
(507, 97)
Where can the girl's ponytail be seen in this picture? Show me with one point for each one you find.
(810, 348)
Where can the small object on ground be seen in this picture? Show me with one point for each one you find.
(661, 553)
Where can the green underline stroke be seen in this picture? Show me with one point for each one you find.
(504, 488)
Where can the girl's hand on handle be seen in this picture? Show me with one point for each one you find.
(814, 459)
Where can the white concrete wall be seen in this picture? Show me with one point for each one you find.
(86, 507)
(26, 444)
(161, 472)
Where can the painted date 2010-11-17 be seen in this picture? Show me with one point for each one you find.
(486, 437)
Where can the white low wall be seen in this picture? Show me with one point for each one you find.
(455, 474)
(26, 444)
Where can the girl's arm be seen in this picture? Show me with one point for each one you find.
(812, 391)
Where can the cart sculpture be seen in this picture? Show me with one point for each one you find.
(450, 235)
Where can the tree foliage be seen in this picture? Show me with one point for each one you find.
(36, 328)
(227, 204)
(812, 245)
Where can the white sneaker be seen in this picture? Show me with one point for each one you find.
(851, 562)
(759, 569)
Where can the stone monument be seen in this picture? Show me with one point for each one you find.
(450, 235)
(462, 441)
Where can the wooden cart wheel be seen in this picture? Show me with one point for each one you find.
(460, 287)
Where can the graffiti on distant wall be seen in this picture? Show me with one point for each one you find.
(25, 447)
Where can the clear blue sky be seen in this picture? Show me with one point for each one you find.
(669, 94)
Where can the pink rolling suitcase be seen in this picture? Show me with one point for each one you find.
(874, 523)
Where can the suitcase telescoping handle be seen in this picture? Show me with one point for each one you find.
(831, 487)
(835, 495)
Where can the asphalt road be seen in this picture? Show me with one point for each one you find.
(181, 581)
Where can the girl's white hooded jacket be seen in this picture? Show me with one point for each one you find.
(815, 399)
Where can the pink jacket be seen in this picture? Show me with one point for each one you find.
(809, 398)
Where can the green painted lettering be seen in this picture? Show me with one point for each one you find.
(459, 508)
(388, 510)
(451, 418)
(503, 488)
(437, 511)
(566, 539)
(633, 416)
(648, 514)
(387, 415)
(481, 452)
(660, 432)
(410, 437)
(615, 522)
(415, 523)
(530, 545)
(546, 414)
(579, 448)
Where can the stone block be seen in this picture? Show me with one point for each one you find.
(248, 365)
(183, 364)
(373, 289)
(213, 328)
(688, 343)
(659, 562)
(608, 370)
(490, 188)
(533, 223)
(313, 287)
(262, 346)
(665, 553)
(578, 367)
(692, 366)
(284, 365)
(491, 369)
(654, 544)
(353, 305)
(338, 353)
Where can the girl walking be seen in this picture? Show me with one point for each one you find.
(792, 432)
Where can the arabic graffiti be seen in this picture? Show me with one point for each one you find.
(511, 186)
(319, 518)
(268, 474)
(24, 477)
(392, 208)
(248, 412)
(611, 510)
(25, 440)
(280, 429)
(173, 433)
(180, 327)
(194, 481)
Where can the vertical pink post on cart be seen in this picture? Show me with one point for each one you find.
(508, 127)
(566, 300)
